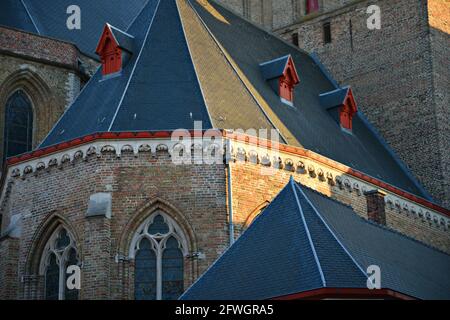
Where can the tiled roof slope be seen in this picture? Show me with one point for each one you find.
(308, 121)
(49, 17)
(202, 63)
(304, 240)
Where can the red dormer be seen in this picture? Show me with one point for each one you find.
(282, 77)
(288, 81)
(347, 110)
(341, 104)
(111, 48)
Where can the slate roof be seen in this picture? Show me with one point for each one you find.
(274, 68)
(200, 62)
(123, 39)
(304, 241)
(49, 17)
(334, 98)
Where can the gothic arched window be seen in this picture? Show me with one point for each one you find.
(59, 253)
(158, 248)
(18, 124)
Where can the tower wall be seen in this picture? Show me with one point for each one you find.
(399, 74)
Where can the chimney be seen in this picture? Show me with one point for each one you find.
(376, 206)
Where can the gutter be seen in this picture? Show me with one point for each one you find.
(230, 195)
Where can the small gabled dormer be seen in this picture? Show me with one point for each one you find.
(282, 76)
(114, 48)
(342, 106)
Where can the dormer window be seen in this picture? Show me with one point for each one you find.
(282, 76)
(342, 106)
(346, 113)
(114, 47)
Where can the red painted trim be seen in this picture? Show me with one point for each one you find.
(288, 81)
(109, 51)
(348, 110)
(234, 136)
(339, 166)
(346, 293)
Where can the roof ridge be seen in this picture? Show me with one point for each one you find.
(386, 228)
(234, 245)
(234, 68)
(253, 24)
(134, 66)
(330, 230)
(194, 66)
(311, 243)
(31, 17)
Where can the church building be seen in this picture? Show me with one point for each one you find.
(205, 158)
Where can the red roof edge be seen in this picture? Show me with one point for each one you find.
(237, 137)
(346, 293)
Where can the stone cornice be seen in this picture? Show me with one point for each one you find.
(244, 147)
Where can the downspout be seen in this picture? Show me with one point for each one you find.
(230, 193)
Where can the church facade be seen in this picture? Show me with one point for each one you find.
(194, 122)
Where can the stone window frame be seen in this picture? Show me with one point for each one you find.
(19, 90)
(175, 231)
(62, 257)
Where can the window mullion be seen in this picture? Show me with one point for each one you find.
(61, 280)
(159, 273)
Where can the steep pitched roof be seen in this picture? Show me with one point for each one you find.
(201, 62)
(304, 240)
(310, 124)
(156, 90)
(49, 17)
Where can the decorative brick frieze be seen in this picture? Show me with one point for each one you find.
(315, 171)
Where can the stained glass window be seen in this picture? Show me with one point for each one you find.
(59, 253)
(52, 279)
(172, 270)
(158, 248)
(18, 125)
(145, 272)
(72, 260)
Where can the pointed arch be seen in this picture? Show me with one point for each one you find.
(252, 216)
(38, 92)
(144, 212)
(41, 237)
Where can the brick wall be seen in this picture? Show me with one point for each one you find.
(47, 70)
(252, 190)
(439, 24)
(9, 280)
(198, 194)
(398, 75)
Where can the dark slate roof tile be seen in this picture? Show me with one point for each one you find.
(50, 18)
(303, 234)
(274, 68)
(161, 91)
(333, 98)
(308, 121)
